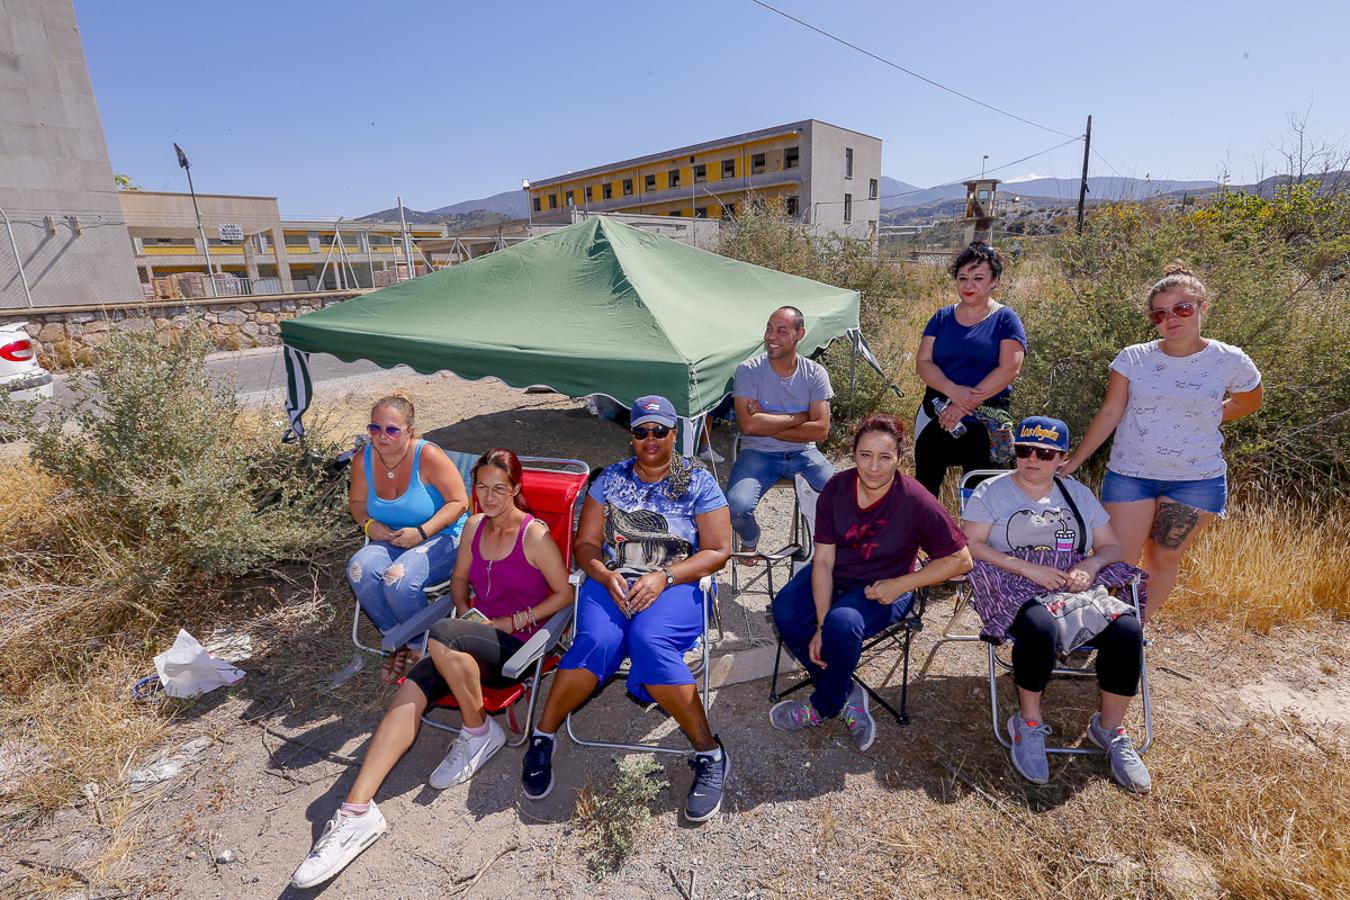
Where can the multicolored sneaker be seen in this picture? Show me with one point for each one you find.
(1127, 768)
(1028, 748)
(794, 715)
(861, 726)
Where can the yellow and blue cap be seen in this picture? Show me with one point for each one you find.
(1042, 431)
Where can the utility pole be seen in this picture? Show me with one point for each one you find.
(201, 232)
(1082, 187)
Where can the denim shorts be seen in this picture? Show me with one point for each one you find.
(1206, 494)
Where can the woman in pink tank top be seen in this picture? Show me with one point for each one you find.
(515, 577)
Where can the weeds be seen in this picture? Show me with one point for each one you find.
(614, 817)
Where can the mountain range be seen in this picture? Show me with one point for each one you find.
(895, 194)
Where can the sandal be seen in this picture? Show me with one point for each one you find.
(394, 666)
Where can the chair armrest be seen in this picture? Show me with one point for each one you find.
(543, 640)
(406, 631)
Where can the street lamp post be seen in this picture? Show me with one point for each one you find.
(201, 232)
(529, 206)
(983, 162)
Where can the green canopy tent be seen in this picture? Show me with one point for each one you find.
(598, 307)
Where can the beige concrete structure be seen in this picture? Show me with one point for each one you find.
(826, 176)
(56, 184)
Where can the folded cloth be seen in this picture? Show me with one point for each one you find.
(998, 595)
(1082, 615)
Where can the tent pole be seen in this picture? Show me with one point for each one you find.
(852, 368)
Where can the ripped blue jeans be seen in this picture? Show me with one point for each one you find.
(390, 582)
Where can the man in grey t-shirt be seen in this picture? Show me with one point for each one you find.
(782, 407)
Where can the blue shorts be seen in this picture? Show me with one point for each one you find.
(1205, 494)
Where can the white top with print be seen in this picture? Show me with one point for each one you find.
(1170, 429)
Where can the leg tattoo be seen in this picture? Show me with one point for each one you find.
(1173, 524)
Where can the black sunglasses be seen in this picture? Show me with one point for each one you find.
(660, 432)
(392, 431)
(1045, 454)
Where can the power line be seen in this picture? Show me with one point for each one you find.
(910, 72)
(986, 171)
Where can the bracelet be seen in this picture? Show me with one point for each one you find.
(365, 526)
(517, 621)
(529, 610)
(422, 532)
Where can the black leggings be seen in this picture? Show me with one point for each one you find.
(490, 647)
(935, 451)
(1118, 651)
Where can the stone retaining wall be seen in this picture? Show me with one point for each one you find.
(68, 337)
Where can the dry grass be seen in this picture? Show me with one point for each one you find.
(1281, 562)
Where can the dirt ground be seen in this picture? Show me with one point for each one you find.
(262, 765)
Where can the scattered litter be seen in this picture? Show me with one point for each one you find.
(167, 767)
(230, 646)
(186, 669)
(146, 688)
(225, 857)
(347, 673)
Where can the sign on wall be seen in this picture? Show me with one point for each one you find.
(230, 232)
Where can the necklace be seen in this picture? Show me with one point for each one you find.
(389, 472)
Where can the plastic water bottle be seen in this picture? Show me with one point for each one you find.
(940, 405)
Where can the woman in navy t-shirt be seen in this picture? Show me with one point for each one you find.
(871, 523)
(970, 354)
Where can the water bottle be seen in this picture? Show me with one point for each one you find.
(939, 404)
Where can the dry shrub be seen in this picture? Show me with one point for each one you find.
(1271, 562)
(614, 816)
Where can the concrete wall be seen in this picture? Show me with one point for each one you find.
(54, 162)
(69, 337)
(826, 186)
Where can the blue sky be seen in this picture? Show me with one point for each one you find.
(336, 107)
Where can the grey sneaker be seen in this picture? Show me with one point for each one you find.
(1126, 767)
(1028, 748)
(794, 715)
(861, 726)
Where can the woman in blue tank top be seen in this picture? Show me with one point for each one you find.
(409, 499)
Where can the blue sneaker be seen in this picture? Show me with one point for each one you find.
(710, 778)
(536, 775)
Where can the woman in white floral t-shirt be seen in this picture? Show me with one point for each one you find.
(1165, 401)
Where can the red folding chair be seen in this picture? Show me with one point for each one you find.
(553, 489)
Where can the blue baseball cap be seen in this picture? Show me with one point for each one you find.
(1042, 431)
(653, 409)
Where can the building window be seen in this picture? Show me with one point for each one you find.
(675, 213)
(848, 208)
(728, 168)
(673, 178)
(848, 162)
(571, 201)
(552, 201)
(538, 204)
(607, 190)
(700, 174)
(700, 212)
(628, 187)
(649, 183)
(588, 194)
(791, 157)
(757, 164)
(729, 210)
(871, 189)
(791, 206)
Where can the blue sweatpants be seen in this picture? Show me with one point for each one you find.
(656, 639)
(388, 601)
(851, 620)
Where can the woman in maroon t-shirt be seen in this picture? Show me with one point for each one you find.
(871, 522)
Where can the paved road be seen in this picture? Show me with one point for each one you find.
(255, 373)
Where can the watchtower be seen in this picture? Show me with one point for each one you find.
(981, 208)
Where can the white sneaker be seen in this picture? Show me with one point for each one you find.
(467, 755)
(343, 839)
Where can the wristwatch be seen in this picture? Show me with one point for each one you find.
(670, 577)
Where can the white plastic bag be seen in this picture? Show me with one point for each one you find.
(186, 669)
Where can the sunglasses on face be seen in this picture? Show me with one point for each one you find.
(1044, 454)
(392, 431)
(660, 432)
(1181, 311)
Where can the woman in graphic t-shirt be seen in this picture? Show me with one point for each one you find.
(1165, 401)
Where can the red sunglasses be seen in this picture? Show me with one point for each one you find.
(1182, 311)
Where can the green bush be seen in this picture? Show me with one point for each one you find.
(614, 817)
(170, 478)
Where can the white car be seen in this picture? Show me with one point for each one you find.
(20, 373)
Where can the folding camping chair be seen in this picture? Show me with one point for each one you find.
(464, 462)
(552, 488)
(708, 586)
(997, 662)
(798, 548)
